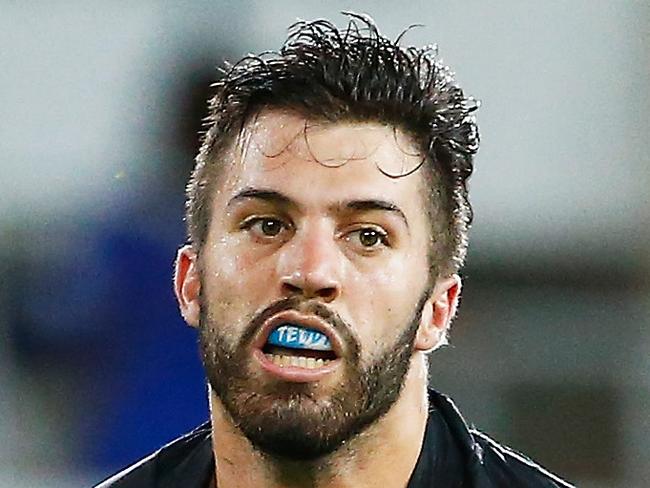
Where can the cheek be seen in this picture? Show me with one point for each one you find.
(235, 283)
(383, 300)
(230, 268)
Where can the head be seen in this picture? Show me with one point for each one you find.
(330, 186)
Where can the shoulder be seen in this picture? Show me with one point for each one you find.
(507, 467)
(489, 462)
(191, 453)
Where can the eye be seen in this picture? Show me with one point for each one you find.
(264, 226)
(369, 238)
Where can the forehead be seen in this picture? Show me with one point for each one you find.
(324, 160)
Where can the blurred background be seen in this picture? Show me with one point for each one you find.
(101, 104)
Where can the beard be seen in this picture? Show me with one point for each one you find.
(290, 420)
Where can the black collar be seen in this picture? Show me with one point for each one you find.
(446, 450)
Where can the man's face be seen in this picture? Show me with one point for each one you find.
(307, 232)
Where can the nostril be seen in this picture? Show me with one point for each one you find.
(292, 289)
(328, 293)
(310, 285)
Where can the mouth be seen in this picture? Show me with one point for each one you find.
(297, 347)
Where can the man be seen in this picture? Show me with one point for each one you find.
(328, 216)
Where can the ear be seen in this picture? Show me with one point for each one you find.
(187, 285)
(437, 314)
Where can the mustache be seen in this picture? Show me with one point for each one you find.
(307, 307)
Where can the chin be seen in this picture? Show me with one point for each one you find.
(296, 427)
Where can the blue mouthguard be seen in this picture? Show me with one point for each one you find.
(296, 337)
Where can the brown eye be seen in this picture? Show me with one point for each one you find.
(263, 227)
(369, 237)
(270, 227)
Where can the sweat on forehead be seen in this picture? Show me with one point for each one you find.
(377, 153)
(276, 135)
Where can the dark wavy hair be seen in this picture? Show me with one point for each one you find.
(354, 74)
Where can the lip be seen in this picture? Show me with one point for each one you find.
(294, 373)
(294, 317)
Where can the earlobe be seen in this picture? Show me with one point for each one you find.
(438, 313)
(187, 285)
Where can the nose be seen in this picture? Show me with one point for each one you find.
(310, 265)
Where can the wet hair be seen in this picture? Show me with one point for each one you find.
(354, 74)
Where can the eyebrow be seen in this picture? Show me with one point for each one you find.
(370, 205)
(261, 194)
(278, 198)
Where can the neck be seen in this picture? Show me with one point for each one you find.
(383, 455)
